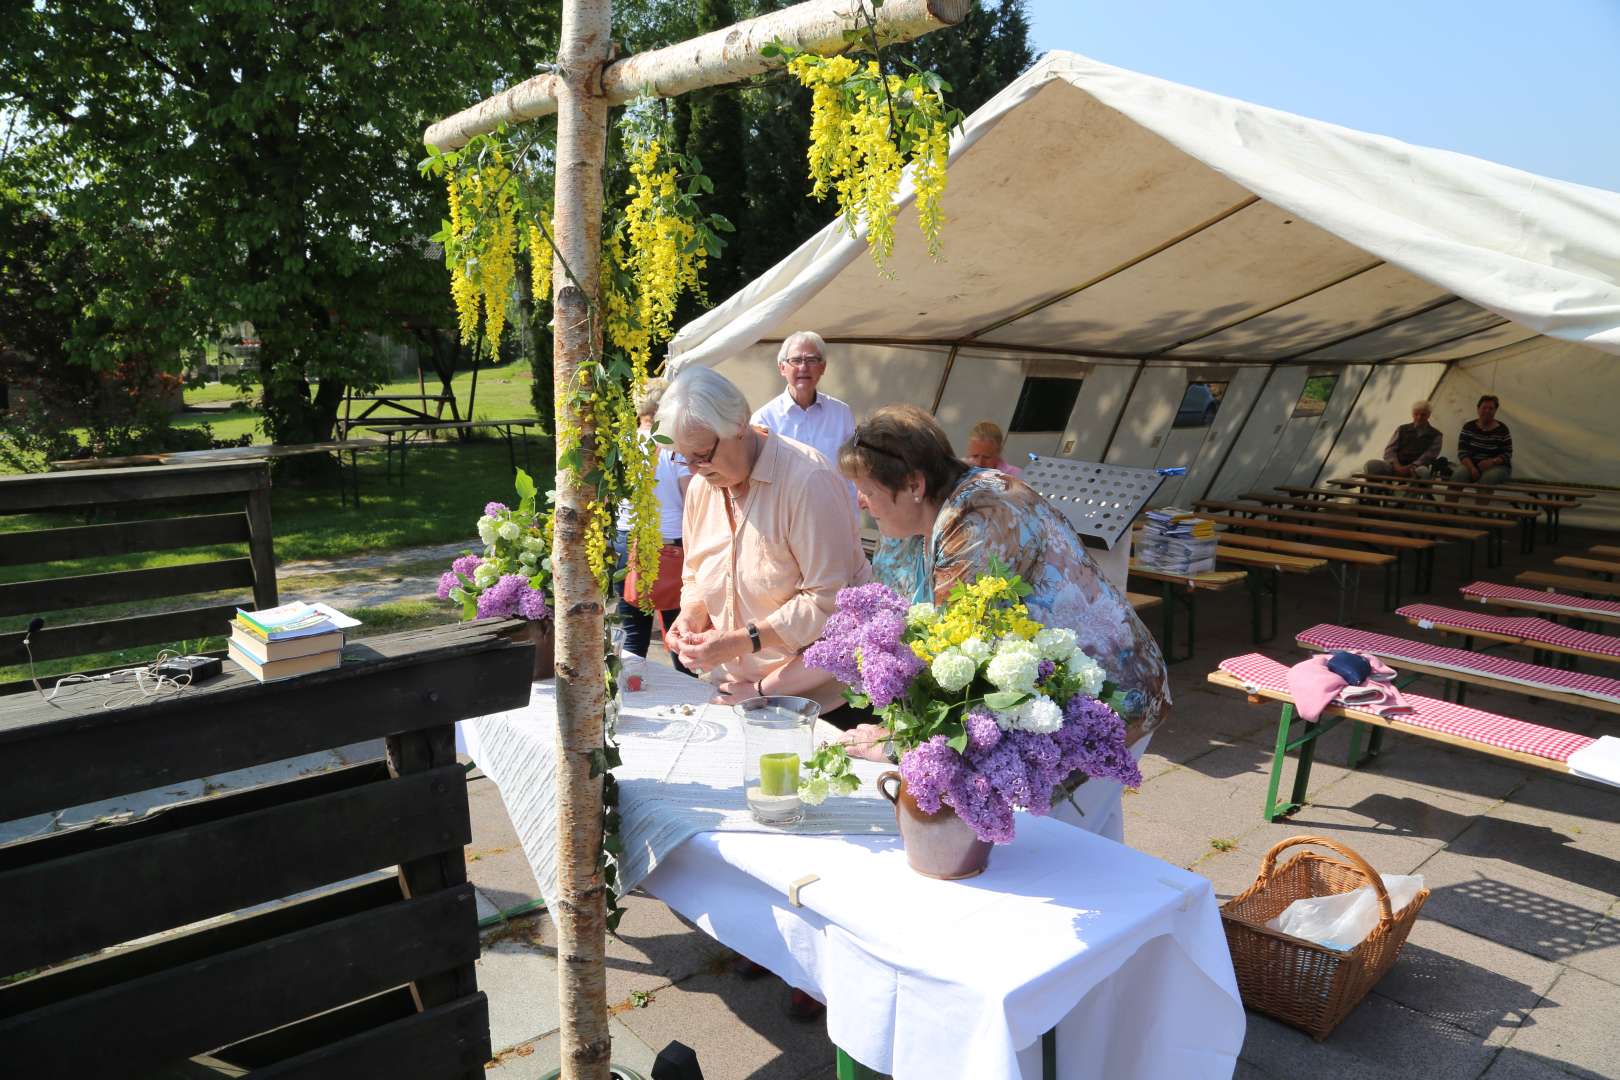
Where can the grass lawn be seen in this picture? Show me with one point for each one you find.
(503, 392)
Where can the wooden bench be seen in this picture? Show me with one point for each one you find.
(246, 486)
(1396, 546)
(1604, 551)
(352, 447)
(1265, 574)
(1182, 589)
(1368, 516)
(404, 432)
(1264, 679)
(266, 928)
(1524, 516)
(1343, 564)
(1591, 566)
(1579, 609)
(1477, 494)
(1141, 602)
(1569, 583)
(1541, 635)
(1573, 495)
(1277, 508)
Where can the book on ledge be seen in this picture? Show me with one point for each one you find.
(285, 669)
(293, 620)
(268, 652)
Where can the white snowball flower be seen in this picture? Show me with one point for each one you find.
(486, 530)
(485, 575)
(1040, 715)
(953, 670)
(1055, 642)
(528, 559)
(535, 544)
(922, 615)
(813, 792)
(976, 648)
(1015, 666)
(509, 530)
(1091, 674)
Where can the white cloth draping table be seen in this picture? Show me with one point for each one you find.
(1120, 952)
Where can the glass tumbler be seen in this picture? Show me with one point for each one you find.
(778, 733)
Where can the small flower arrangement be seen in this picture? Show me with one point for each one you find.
(989, 711)
(513, 574)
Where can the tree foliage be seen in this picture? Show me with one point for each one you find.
(251, 160)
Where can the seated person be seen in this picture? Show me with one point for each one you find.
(984, 449)
(1412, 449)
(1485, 447)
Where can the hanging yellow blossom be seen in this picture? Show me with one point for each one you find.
(540, 255)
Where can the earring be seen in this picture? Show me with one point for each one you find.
(916, 497)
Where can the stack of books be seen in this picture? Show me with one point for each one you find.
(293, 639)
(1177, 541)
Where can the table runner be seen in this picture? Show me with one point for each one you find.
(682, 775)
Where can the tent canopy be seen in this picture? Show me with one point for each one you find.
(1097, 212)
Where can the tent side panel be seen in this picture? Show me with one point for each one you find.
(1351, 379)
(1100, 402)
(1257, 442)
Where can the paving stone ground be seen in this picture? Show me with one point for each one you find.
(1511, 973)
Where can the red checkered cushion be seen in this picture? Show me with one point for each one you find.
(1431, 714)
(1527, 627)
(1489, 590)
(1328, 637)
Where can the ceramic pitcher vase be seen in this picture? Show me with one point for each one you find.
(939, 845)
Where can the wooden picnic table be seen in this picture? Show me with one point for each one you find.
(1190, 585)
(1570, 583)
(397, 402)
(1398, 546)
(269, 452)
(1465, 537)
(406, 430)
(1494, 527)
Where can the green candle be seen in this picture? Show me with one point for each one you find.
(779, 774)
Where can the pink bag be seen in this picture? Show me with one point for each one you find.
(1314, 688)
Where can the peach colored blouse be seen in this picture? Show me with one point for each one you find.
(776, 558)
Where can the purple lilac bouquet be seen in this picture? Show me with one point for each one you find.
(990, 711)
(512, 575)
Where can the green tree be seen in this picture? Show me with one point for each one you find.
(252, 160)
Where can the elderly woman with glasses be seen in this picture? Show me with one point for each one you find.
(943, 521)
(770, 539)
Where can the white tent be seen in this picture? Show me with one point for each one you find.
(1112, 238)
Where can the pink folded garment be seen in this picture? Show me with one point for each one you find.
(1314, 688)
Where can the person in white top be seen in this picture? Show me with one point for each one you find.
(671, 478)
(801, 412)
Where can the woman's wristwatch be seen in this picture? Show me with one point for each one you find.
(753, 637)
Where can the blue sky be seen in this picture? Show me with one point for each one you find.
(1529, 83)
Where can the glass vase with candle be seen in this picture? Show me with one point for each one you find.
(778, 732)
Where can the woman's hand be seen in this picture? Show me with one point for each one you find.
(708, 649)
(733, 691)
(685, 626)
(867, 741)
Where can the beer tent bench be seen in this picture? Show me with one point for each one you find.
(1483, 496)
(1262, 678)
(1568, 583)
(1542, 635)
(1577, 608)
(1182, 590)
(316, 973)
(1313, 512)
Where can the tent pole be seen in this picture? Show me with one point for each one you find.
(1119, 418)
(1337, 435)
(944, 377)
(1238, 434)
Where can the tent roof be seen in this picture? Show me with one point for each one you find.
(1097, 212)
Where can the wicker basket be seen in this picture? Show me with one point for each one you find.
(1299, 982)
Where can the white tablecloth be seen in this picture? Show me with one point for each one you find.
(1122, 953)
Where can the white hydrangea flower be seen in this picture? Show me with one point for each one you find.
(813, 791)
(485, 575)
(953, 670)
(1055, 642)
(528, 559)
(976, 648)
(1084, 668)
(1040, 715)
(536, 544)
(1015, 666)
(509, 530)
(486, 530)
(922, 614)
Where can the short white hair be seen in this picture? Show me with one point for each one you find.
(799, 337)
(1423, 407)
(702, 399)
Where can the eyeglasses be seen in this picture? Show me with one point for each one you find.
(695, 460)
(803, 361)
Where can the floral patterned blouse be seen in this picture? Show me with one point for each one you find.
(992, 514)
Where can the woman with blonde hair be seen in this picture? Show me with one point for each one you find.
(944, 521)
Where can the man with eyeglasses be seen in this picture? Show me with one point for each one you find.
(801, 412)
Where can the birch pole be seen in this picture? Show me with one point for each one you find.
(580, 901)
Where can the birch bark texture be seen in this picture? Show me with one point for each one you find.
(725, 56)
(584, 1040)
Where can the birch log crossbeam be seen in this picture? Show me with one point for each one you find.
(725, 56)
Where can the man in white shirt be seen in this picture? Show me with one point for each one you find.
(801, 412)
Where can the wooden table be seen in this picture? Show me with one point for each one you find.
(1397, 546)
(1525, 516)
(1549, 503)
(1493, 526)
(1189, 584)
(404, 432)
(1286, 511)
(271, 452)
(387, 965)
